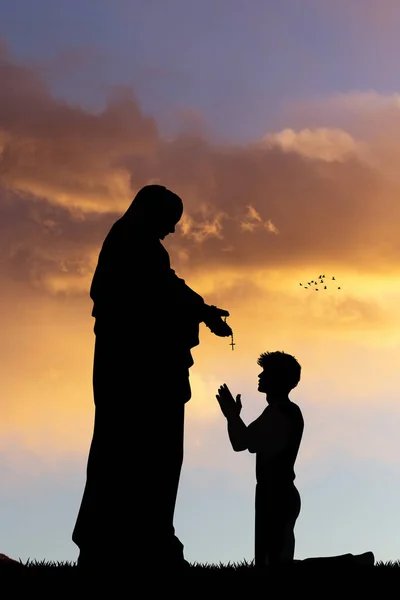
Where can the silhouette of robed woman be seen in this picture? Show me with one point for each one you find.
(146, 323)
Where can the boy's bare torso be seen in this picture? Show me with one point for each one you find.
(275, 437)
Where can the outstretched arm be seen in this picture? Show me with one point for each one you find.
(210, 315)
(186, 298)
(124, 279)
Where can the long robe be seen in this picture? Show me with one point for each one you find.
(146, 322)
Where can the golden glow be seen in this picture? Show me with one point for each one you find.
(258, 220)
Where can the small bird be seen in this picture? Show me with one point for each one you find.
(306, 287)
(300, 284)
(333, 278)
(325, 287)
(338, 288)
(316, 289)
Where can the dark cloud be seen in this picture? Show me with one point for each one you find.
(316, 207)
(66, 174)
(39, 240)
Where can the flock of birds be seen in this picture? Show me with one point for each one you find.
(322, 282)
(309, 285)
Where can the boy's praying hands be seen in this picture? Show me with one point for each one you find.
(229, 406)
(237, 430)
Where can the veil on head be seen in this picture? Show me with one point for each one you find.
(153, 204)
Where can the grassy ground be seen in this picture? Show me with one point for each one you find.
(238, 580)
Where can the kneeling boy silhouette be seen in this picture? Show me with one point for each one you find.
(275, 438)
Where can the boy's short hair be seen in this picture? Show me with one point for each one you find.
(284, 366)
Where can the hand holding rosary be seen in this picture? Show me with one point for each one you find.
(232, 342)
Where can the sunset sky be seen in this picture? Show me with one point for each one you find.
(278, 123)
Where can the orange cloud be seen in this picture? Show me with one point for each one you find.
(258, 220)
(67, 174)
(329, 145)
